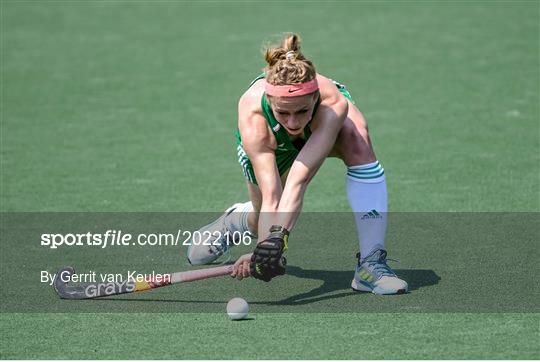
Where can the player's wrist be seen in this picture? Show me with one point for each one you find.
(267, 260)
(281, 233)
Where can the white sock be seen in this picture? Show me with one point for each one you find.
(238, 219)
(366, 189)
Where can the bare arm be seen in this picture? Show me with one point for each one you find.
(259, 144)
(282, 206)
(326, 125)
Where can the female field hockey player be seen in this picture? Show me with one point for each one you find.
(289, 121)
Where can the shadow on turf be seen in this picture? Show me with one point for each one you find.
(332, 281)
(341, 280)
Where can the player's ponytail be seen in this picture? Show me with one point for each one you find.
(286, 64)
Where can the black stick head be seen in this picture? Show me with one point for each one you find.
(61, 287)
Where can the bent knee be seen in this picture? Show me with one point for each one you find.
(353, 144)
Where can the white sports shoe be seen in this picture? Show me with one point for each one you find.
(219, 243)
(374, 275)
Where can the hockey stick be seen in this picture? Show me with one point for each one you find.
(94, 290)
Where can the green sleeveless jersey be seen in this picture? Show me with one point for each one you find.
(287, 150)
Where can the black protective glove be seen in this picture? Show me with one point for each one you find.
(267, 260)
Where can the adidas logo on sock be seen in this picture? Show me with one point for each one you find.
(373, 214)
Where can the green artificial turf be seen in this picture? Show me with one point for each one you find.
(272, 336)
(131, 107)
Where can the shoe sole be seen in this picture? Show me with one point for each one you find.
(399, 291)
(377, 290)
